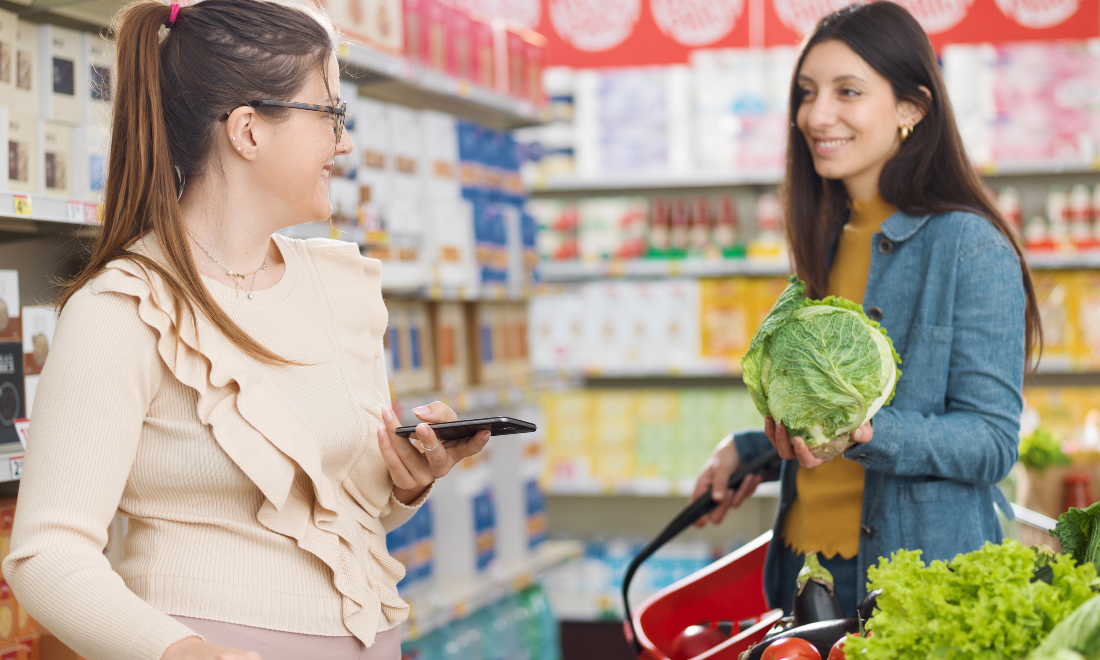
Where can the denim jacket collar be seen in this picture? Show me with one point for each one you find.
(901, 226)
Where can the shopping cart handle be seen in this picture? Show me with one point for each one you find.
(767, 464)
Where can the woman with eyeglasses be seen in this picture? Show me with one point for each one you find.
(220, 385)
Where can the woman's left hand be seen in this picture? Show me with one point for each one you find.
(796, 447)
(417, 461)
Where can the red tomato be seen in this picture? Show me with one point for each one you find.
(837, 652)
(791, 648)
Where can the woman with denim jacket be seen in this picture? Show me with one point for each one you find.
(884, 208)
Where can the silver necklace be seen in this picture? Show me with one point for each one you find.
(235, 277)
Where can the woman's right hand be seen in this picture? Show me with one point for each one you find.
(193, 648)
(714, 478)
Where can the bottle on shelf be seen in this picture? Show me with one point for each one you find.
(768, 243)
(1008, 203)
(1080, 213)
(1058, 215)
(679, 232)
(700, 225)
(660, 230)
(725, 228)
(1078, 492)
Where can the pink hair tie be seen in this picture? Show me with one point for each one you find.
(172, 17)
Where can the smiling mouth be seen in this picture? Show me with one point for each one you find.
(831, 143)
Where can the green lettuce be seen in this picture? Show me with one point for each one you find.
(1078, 530)
(1078, 634)
(820, 367)
(979, 605)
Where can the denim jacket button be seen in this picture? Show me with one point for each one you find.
(860, 457)
(885, 246)
(875, 313)
(866, 531)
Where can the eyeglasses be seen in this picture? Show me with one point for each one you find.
(337, 113)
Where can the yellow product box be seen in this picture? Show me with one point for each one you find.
(1055, 291)
(614, 467)
(1088, 320)
(614, 405)
(725, 309)
(657, 406)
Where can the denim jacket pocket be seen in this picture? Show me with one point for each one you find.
(926, 363)
(940, 517)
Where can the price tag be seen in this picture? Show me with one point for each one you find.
(22, 427)
(16, 464)
(92, 213)
(22, 205)
(463, 88)
(74, 211)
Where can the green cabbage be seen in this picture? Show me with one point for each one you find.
(1077, 636)
(1078, 530)
(1041, 450)
(820, 367)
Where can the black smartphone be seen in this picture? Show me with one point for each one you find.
(465, 428)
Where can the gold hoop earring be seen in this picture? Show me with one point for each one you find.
(906, 131)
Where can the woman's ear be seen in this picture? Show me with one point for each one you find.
(909, 113)
(239, 129)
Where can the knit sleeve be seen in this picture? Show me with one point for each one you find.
(93, 397)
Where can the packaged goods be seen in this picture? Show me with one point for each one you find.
(23, 156)
(38, 324)
(452, 348)
(26, 72)
(99, 58)
(55, 157)
(10, 326)
(9, 35)
(62, 76)
(12, 394)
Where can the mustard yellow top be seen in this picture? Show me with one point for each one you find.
(826, 514)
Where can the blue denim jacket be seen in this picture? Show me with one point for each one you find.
(949, 290)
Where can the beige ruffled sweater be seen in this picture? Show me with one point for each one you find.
(256, 494)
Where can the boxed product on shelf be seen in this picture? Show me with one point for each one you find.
(404, 130)
(439, 157)
(99, 58)
(55, 157)
(466, 53)
(38, 325)
(612, 227)
(724, 308)
(373, 144)
(62, 78)
(452, 347)
(415, 36)
(9, 34)
(1088, 320)
(91, 143)
(410, 348)
(557, 222)
(30, 387)
(464, 514)
(449, 239)
(1056, 295)
(437, 23)
(22, 153)
(12, 394)
(378, 23)
(10, 325)
(26, 73)
(640, 440)
(556, 320)
(521, 507)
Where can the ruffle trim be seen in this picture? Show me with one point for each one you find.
(259, 430)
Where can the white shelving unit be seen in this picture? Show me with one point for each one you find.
(646, 488)
(22, 214)
(441, 601)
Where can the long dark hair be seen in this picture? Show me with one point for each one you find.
(930, 173)
(219, 55)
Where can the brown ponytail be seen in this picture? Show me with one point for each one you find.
(219, 55)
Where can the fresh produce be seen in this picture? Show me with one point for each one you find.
(1078, 530)
(820, 367)
(791, 648)
(1077, 635)
(866, 609)
(695, 640)
(814, 597)
(837, 652)
(822, 635)
(981, 604)
(1041, 450)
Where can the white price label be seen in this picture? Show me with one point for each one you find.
(74, 211)
(16, 464)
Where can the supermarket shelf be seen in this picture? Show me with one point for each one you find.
(644, 488)
(1051, 373)
(444, 600)
(11, 462)
(1084, 260)
(579, 271)
(650, 183)
(482, 399)
(455, 293)
(22, 215)
(565, 186)
(395, 79)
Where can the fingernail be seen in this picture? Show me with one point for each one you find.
(422, 430)
(718, 495)
(387, 414)
(420, 410)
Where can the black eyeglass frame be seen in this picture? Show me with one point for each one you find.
(338, 112)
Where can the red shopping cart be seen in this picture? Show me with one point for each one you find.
(729, 591)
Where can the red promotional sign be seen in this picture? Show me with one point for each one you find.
(609, 33)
